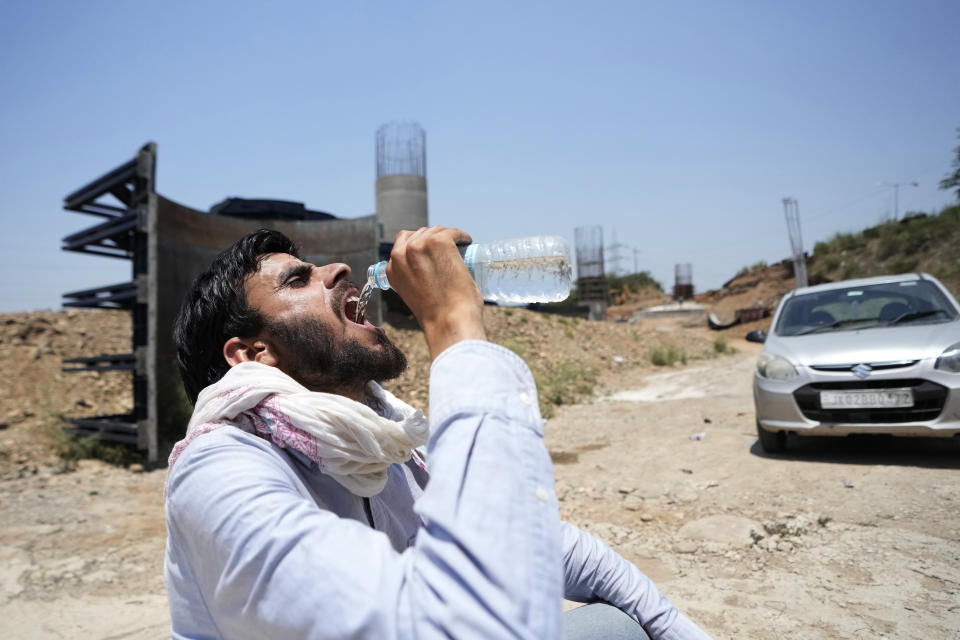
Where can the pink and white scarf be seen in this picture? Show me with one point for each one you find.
(348, 440)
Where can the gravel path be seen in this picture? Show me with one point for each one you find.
(852, 538)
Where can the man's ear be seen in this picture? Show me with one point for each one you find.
(237, 350)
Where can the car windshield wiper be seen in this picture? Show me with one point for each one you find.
(833, 325)
(915, 315)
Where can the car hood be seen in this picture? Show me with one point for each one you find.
(879, 344)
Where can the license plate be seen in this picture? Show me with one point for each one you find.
(866, 399)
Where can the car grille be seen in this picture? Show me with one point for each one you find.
(928, 400)
(875, 366)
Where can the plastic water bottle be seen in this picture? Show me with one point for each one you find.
(519, 271)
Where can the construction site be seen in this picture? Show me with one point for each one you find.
(167, 245)
(650, 426)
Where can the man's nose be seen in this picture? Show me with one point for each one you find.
(331, 274)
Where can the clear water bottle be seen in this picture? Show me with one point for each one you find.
(517, 271)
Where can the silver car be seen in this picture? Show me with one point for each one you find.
(876, 355)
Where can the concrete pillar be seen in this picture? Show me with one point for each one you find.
(401, 204)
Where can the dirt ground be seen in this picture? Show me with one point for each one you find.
(853, 538)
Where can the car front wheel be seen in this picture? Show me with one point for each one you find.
(772, 441)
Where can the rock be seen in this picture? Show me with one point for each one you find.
(725, 529)
(794, 524)
(135, 468)
(102, 575)
(686, 546)
(769, 544)
(633, 503)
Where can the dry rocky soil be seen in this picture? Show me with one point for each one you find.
(852, 538)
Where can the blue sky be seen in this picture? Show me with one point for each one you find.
(678, 125)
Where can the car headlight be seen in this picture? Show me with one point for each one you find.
(949, 360)
(774, 367)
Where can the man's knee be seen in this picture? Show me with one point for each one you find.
(600, 621)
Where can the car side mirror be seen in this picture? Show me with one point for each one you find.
(757, 335)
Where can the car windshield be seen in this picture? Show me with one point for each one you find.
(865, 307)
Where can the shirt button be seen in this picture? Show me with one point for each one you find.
(542, 494)
(525, 397)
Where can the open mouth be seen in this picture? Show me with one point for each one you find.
(351, 302)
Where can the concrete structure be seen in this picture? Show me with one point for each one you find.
(792, 211)
(401, 187)
(693, 313)
(169, 244)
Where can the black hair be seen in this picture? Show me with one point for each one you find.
(215, 309)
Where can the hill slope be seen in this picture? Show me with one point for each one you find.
(917, 243)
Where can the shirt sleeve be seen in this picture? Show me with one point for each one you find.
(269, 563)
(595, 572)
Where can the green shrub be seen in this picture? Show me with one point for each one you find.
(70, 447)
(846, 242)
(888, 246)
(756, 266)
(635, 281)
(906, 264)
(518, 345)
(667, 355)
(915, 240)
(566, 383)
(851, 269)
(831, 263)
(720, 345)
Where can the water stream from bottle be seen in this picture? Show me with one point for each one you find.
(362, 302)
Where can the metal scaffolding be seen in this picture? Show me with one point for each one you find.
(121, 198)
(592, 287)
(683, 281)
(401, 150)
(168, 245)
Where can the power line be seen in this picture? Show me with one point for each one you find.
(850, 203)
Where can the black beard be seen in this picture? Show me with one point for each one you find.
(315, 360)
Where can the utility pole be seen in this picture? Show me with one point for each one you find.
(636, 268)
(792, 212)
(614, 255)
(896, 194)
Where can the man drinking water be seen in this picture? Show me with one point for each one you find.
(301, 502)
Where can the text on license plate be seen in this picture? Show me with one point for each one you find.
(866, 399)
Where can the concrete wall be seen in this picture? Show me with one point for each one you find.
(184, 243)
(401, 204)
